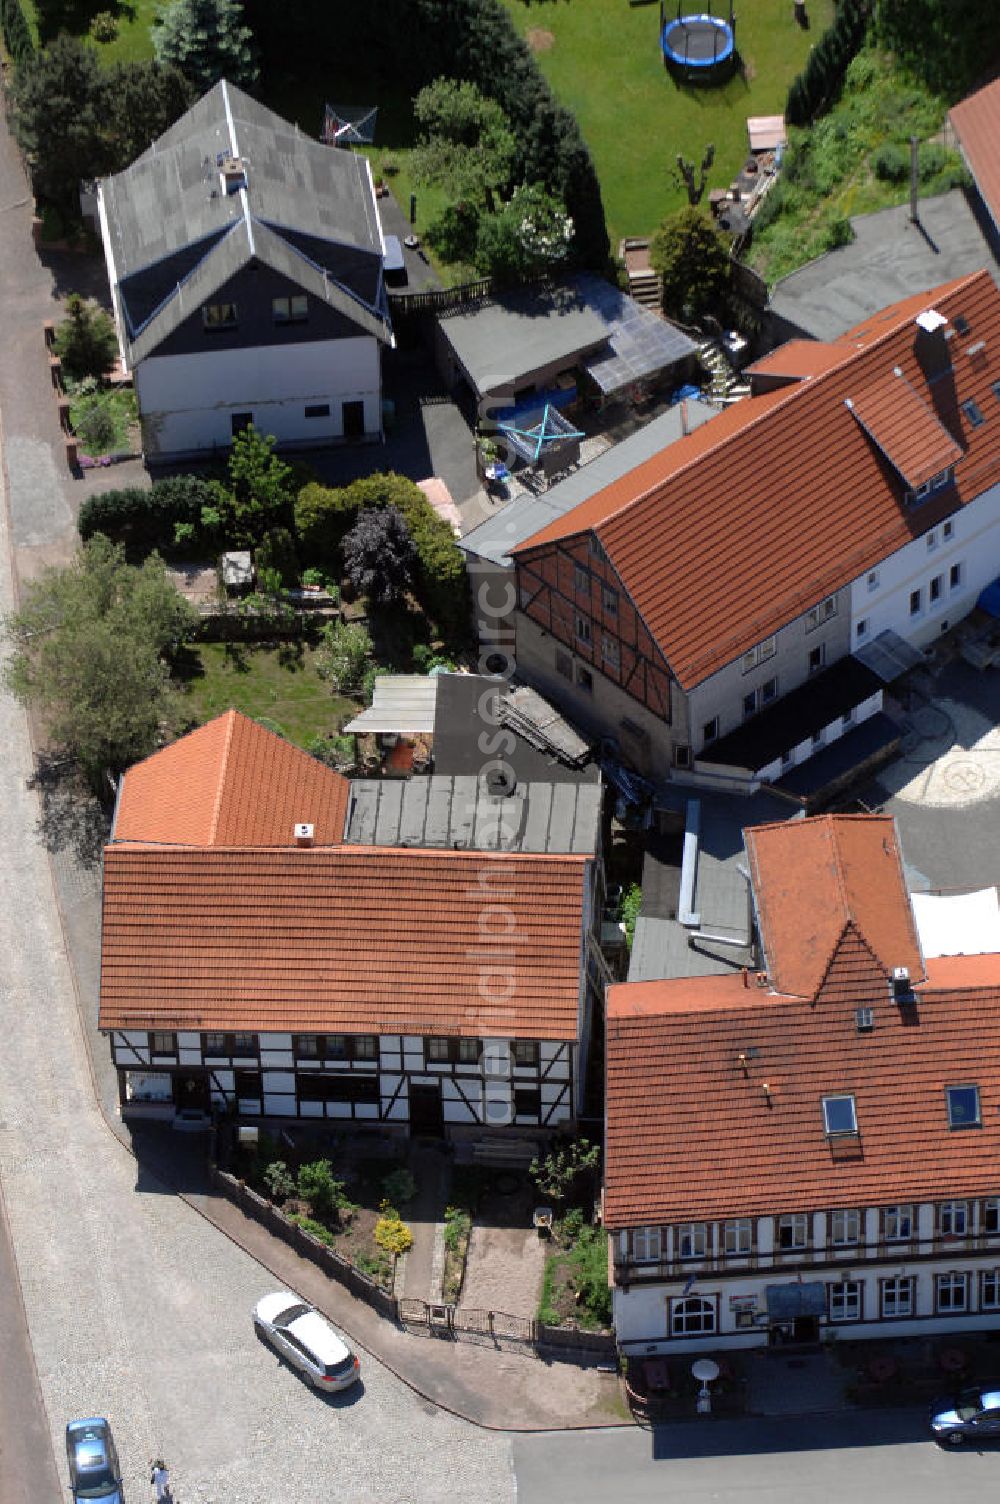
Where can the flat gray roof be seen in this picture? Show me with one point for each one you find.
(528, 514)
(501, 342)
(890, 258)
(461, 811)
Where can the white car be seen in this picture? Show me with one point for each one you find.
(308, 1341)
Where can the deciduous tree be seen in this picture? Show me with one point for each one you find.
(467, 146)
(379, 555)
(89, 649)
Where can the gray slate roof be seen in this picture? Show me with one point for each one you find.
(174, 237)
(461, 812)
(890, 258)
(515, 523)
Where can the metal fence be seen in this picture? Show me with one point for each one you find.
(500, 1328)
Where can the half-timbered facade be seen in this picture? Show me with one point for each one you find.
(695, 610)
(255, 959)
(812, 1150)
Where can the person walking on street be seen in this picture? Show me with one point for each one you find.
(160, 1480)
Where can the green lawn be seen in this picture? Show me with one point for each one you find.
(278, 686)
(604, 62)
(134, 20)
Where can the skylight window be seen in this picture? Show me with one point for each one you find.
(961, 323)
(963, 1106)
(972, 411)
(865, 1019)
(839, 1115)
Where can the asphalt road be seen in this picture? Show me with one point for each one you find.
(866, 1457)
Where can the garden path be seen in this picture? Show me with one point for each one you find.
(425, 1215)
(505, 1263)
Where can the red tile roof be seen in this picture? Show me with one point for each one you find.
(726, 535)
(797, 359)
(814, 878)
(230, 783)
(691, 1134)
(345, 939)
(906, 430)
(976, 122)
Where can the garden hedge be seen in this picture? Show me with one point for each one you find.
(323, 517)
(817, 86)
(147, 516)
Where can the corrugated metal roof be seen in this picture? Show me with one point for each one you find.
(400, 703)
(462, 812)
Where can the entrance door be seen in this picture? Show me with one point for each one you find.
(806, 1329)
(191, 1090)
(426, 1111)
(353, 420)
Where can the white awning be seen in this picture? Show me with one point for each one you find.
(401, 703)
(957, 924)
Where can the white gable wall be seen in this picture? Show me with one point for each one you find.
(187, 401)
(974, 547)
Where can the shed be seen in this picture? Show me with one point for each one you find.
(237, 569)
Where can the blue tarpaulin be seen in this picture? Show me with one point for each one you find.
(990, 599)
(785, 1302)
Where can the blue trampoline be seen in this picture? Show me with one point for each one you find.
(699, 47)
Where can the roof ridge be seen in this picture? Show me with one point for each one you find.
(230, 715)
(852, 352)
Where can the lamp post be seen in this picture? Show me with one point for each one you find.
(705, 1370)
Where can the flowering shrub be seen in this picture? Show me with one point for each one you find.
(391, 1232)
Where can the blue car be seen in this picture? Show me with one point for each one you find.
(93, 1462)
(974, 1416)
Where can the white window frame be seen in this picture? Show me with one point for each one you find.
(611, 652)
(954, 1288)
(896, 1293)
(989, 1211)
(692, 1316)
(581, 628)
(647, 1245)
(989, 1289)
(958, 1123)
(828, 1103)
(797, 1224)
(953, 1220)
(892, 1218)
(693, 1235)
(849, 1218)
(737, 1238)
(846, 1300)
(826, 610)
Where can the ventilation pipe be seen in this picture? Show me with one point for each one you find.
(914, 179)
